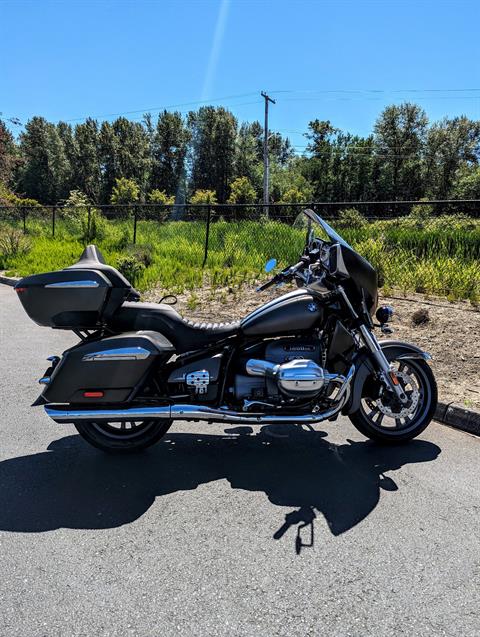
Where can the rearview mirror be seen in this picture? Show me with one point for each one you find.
(270, 265)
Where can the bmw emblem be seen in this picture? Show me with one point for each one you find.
(312, 307)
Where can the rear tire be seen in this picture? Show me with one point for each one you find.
(122, 438)
(374, 424)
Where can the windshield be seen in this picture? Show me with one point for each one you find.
(334, 236)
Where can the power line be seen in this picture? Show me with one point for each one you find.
(161, 108)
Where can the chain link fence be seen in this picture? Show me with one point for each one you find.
(431, 247)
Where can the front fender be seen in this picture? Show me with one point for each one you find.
(363, 367)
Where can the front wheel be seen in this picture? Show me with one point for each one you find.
(384, 419)
(123, 437)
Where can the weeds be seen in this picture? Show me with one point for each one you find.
(442, 258)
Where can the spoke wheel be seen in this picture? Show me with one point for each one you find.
(123, 436)
(385, 419)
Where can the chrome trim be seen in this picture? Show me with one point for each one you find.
(118, 354)
(197, 412)
(74, 284)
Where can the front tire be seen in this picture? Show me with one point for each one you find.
(123, 437)
(388, 423)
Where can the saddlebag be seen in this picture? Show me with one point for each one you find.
(110, 370)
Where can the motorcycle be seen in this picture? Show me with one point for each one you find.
(304, 357)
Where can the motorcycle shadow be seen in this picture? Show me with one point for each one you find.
(73, 486)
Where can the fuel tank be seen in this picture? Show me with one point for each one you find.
(288, 314)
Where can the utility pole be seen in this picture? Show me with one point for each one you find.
(265, 153)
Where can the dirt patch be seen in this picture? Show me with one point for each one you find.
(451, 333)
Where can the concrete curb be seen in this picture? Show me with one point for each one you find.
(447, 413)
(458, 417)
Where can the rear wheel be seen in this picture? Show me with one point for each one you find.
(123, 437)
(385, 419)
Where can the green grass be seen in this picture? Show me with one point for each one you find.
(441, 257)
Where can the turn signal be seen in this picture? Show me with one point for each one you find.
(384, 314)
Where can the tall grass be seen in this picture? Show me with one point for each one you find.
(441, 256)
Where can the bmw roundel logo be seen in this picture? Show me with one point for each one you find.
(312, 307)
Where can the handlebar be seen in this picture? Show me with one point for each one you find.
(284, 275)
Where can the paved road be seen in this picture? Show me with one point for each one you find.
(201, 535)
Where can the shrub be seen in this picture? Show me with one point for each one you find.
(161, 198)
(351, 218)
(125, 191)
(13, 242)
(204, 197)
(95, 230)
(143, 253)
(242, 191)
(421, 214)
(130, 267)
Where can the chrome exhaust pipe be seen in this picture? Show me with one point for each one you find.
(62, 414)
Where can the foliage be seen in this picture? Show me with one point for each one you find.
(213, 133)
(8, 198)
(436, 259)
(169, 145)
(130, 267)
(125, 191)
(143, 253)
(421, 214)
(351, 218)
(468, 185)
(93, 228)
(45, 171)
(203, 197)
(13, 243)
(242, 191)
(405, 157)
(8, 154)
(160, 197)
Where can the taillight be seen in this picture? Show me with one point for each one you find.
(19, 290)
(93, 394)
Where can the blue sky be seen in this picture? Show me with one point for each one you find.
(342, 61)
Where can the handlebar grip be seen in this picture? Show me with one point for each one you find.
(266, 285)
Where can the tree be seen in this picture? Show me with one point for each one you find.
(124, 152)
(88, 176)
(452, 145)
(468, 184)
(213, 132)
(248, 157)
(169, 143)
(8, 154)
(400, 141)
(242, 191)
(44, 174)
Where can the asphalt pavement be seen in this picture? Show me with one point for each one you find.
(219, 530)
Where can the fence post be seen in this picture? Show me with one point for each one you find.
(24, 215)
(134, 225)
(54, 209)
(89, 221)
(207, 235)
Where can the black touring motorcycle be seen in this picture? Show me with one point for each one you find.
(305, 357)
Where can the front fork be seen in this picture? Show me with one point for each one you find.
(388, 375)
(386, 372)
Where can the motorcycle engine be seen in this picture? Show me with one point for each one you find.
(289, 368)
